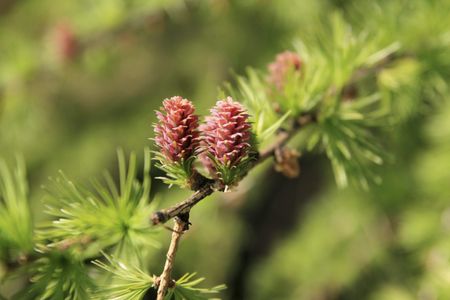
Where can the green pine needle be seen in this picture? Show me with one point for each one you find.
(127, 283)
(178, 173)
(16, 233)
(350, 145)
(253, 92)
(58, 275)
(186, 289)
(102, 214)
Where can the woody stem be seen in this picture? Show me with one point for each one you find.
(165, 280)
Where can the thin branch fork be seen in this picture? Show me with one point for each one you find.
(185, 206)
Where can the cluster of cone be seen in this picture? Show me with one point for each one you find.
(223, 141)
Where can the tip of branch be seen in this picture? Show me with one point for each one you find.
(158, 218)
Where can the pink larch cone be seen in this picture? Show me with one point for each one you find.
(226, 135)
(177, 134)
(284, 63)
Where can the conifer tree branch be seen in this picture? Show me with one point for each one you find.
(165, 280)
(208, 187)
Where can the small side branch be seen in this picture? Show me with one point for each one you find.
(282, 138)
(164, 215)
(165, 280)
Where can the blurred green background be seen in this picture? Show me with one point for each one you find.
(79, 79)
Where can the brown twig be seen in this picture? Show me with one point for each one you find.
(165, 215)
(165, 280)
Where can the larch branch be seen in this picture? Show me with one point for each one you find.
(283, 137)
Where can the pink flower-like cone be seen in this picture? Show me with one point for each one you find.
(177, 134)
(284, 63)
(226, 138)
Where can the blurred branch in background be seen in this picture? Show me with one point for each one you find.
(45, 59)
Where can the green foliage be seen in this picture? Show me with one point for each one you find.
(186, 289)
(255, 94)
(332, 61)
(88, 221)
(343, 126)
(400, 86)
(127, 283)
(178, 173)
(58, 275)
(15, 218)
(105, 215)
(348, 142)
(131, 283)
(230, 175)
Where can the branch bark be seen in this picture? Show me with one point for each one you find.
(165, 215)
(165, 280)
